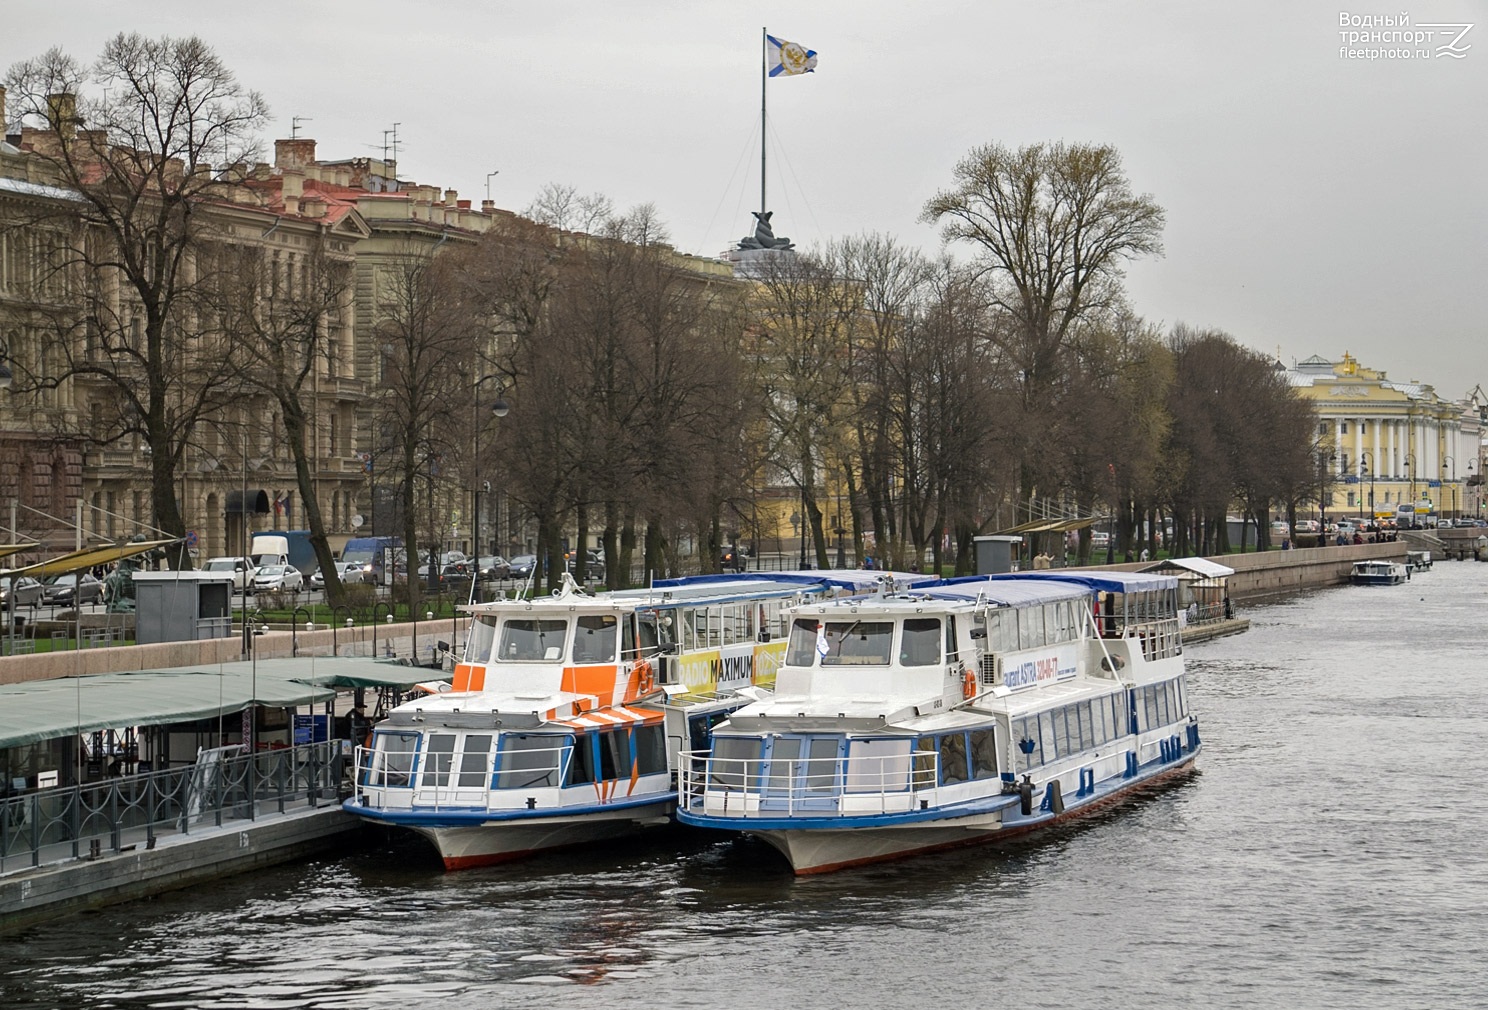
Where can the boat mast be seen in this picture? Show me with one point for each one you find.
(764, 76)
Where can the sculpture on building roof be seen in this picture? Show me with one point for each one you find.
(764, 235)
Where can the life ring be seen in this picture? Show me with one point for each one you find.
(968, 684)
(643, 669)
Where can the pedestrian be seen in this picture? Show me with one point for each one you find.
(356, 725)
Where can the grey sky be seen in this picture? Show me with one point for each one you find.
(1315, 203)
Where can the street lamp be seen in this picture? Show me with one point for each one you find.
(1410, 473)
(1369, 469)
(499, 409)
(1451, 502)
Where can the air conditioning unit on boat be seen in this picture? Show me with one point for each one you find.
(991, 671)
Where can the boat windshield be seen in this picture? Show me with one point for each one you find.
(530, 640)
(596, 638)
(840, 643)
(482, 636)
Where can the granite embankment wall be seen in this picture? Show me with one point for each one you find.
(1276, 573)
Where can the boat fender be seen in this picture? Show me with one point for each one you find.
(968, 684)
(1056, 796)
(1025, 796)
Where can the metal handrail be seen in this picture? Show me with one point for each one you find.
(373, 778)
(753, 787)
(59, 823)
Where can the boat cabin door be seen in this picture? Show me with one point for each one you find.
(803, 772)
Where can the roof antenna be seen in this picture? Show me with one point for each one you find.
(393, 145)
(488, 182)
(294, 125)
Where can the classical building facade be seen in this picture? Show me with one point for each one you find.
(1385, 442)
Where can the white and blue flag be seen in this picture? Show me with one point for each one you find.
(788, 59)
(822, 647)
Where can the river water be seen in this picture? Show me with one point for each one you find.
(1330, 853)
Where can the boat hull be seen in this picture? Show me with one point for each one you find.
(825, 849)
(486, 843)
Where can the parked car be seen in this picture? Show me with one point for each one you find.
(278, 579)
(1310, 526)
(73, 589)
(349, 571)
(27, 592)
(594, 563)
(242, 570)
(1280, 530)
(521, 566)
(493, 567)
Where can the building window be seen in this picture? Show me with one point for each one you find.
(1343, 427)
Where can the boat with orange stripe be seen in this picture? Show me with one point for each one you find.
(566, 713)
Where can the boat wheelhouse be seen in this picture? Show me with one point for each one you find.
(963, 712)
(1379, 573)
(565, 715)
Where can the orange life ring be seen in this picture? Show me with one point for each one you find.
(968, 684)
(643, 668)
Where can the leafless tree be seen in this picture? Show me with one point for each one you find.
(139, 157)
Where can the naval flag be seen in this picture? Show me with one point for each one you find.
(788, 59)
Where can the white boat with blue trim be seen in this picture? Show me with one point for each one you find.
(963, 712)
(565, 715)
(1379, 573)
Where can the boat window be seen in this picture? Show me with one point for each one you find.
(953, 758)
(1047, 741)
(1149, 702)
(875, 766)
(952, 651)
(1030, 627)
(1100, 710)
(1161, 690)
(393, 764)
(482, 636)
(925, 763)
(439, 759)
(475, 761)
(821, 764)
(858, 643)
(528, 640)
(1026, 740)
(595, 640)
(580, 769)
(802, 648)
(644, 629)
(700, 729)
(650, 747)
(1087, 726)
(614, 754)
(528, 760)
(785, 753)
(983, 754)
(1182, 701)
(920, 642)
(735, 762)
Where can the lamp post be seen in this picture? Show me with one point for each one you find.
(499, 409)
(1473, 498)
(1366, 469)
(1410, 473)
(1454, 505)
(1325, 462)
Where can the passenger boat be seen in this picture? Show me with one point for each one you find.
(1418, 561)
(962, 712)
(1379, 573)
(565, 715)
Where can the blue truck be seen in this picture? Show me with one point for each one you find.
(284, 547)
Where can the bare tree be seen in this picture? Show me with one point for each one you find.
(1053, 225)
(139, 158)
(428, 330)
(282, 328)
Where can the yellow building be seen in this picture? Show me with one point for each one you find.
(1384, 443)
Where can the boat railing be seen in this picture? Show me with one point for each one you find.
(860, 784)
(455, 779)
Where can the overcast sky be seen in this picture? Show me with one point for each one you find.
(1315, 203)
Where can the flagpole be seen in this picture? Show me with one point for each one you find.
(764, 76)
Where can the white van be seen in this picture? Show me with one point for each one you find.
(242, 568)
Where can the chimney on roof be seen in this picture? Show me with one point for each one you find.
(451, 198)
(296, 152)
(291, 188)
(4, 126)
(62, 111)
(463, 204)
(488, 206)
